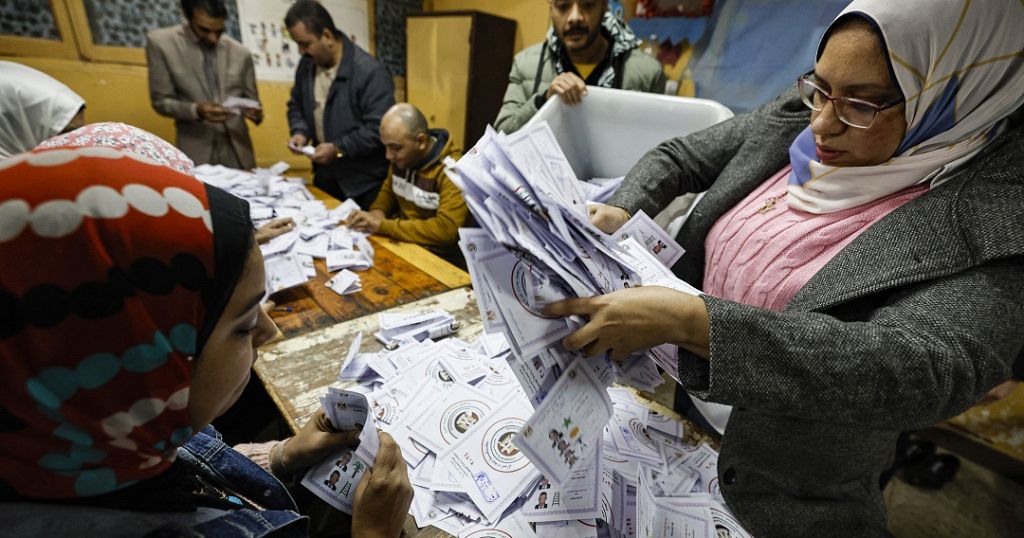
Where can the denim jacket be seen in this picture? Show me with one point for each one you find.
(211, 459)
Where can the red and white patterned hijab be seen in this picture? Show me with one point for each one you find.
(106, 260)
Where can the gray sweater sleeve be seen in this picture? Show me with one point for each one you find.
(929, 351)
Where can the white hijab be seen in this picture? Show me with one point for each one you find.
(960, 66)
(33, 107)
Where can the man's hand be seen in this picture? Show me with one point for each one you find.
(383, 495)
(212, 112)
(365, 221)
(316, 439)
(297, 142)
(273, 229)
(570, 87)
(255, 115)
(607, 218)
(326, 153)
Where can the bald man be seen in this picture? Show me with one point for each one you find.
(417, 202)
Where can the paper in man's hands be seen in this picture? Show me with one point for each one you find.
(235, 104)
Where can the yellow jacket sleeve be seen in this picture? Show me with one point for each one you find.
(440, 230)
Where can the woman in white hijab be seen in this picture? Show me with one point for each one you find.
(33, 107)
(861, 250)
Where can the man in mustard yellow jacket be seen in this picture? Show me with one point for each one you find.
(417, 202)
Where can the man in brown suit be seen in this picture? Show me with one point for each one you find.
(193, 68)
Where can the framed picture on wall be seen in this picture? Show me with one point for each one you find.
(41, 26)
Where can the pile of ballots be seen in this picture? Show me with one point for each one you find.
(455, 410)
(317, 232)
(536, 245)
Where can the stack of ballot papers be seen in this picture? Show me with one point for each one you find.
(536, 245)
(457, 409)
(317, 234)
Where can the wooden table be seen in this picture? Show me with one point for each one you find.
(296, 372)
(402, 273)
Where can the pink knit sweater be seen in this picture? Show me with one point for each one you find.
(761, 252)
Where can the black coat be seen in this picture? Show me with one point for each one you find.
(361, 93)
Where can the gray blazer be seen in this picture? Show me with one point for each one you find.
(177, 84)
(907, 326)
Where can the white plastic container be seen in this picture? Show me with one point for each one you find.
(606, 134)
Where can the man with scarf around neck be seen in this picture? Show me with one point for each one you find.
(585, 46)
(417, 203)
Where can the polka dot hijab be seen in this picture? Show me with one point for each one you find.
(107, 292)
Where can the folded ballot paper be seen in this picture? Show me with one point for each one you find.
(318, 233)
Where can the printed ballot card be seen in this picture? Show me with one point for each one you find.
(683, 517)
(579, 498)
(335, 479)
(565, 428)
(444, 422)
(653, 238)
(347, 410)
(488, 465)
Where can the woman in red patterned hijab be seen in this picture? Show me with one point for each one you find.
(129, 319)
(110, 285)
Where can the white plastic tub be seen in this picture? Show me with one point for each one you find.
(606, 134)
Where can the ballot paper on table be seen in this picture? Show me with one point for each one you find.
(566, 428)
(396, 329)
(343, 211)
(652, 237)
(464, 363)
(449, 415)
(235, 104)
(486, 462)
(672, 516)
(578, 498)
(346, 259)
(284, 271)
(316, 246)
(345, 282)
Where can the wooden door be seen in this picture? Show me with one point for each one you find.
(437, 70)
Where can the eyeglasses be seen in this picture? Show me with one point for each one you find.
(851, 111)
